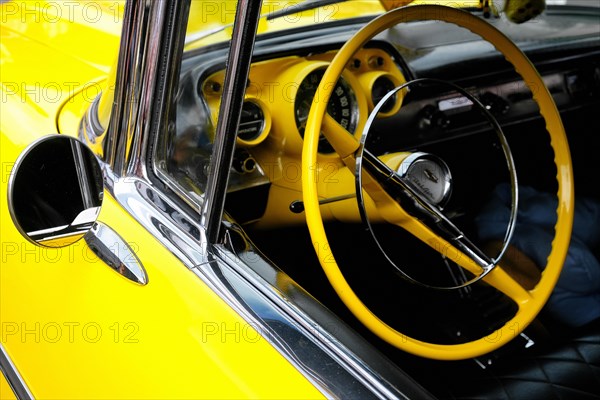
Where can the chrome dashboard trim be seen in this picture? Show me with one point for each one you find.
(13, 377)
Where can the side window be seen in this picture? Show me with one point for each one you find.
(190, 139)
(183, 153)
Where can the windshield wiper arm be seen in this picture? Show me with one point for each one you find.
(294, 9)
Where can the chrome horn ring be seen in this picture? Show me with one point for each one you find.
(433, 204)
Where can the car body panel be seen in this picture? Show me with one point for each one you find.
(74, 327)
(35, 93)
(6, 392)
(71, 325)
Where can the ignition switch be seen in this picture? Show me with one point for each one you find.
(243, 162)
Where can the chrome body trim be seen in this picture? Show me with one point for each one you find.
(290, 336)
(336, 362)
(162, 217)
(13, 377)
(149, 60)
(90, 128)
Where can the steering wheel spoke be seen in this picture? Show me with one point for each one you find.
(400, 203)
(342, 141)
(500, 279)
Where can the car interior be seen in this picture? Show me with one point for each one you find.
(437, 91)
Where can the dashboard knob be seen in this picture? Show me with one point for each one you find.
(430, 117)
(494, 103)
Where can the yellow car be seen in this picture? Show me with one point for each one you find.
(299, 200)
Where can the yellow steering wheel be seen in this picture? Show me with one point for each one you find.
(529, 302)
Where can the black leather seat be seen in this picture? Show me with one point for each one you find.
(568, 370)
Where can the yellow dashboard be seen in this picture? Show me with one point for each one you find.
(278, 98)
(281, 91)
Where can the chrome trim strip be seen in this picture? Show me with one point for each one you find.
(353, 370)
(161, 217)
(281, 332)
(13, 377)
(124, 89)
(90, 127)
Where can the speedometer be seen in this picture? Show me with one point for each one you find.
(342, 106)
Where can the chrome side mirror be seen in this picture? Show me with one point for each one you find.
(55, 191)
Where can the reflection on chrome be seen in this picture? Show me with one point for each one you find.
(116, 253)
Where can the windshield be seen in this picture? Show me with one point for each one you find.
(212, 22)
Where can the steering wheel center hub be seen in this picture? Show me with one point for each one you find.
(429, 174)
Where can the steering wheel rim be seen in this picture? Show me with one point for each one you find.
(529, 302)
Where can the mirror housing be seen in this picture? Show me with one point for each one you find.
(55, 191)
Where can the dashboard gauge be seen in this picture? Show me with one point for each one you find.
(252, 122)
(381, 87)
(342, 106)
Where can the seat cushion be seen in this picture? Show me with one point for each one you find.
(569, 371)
